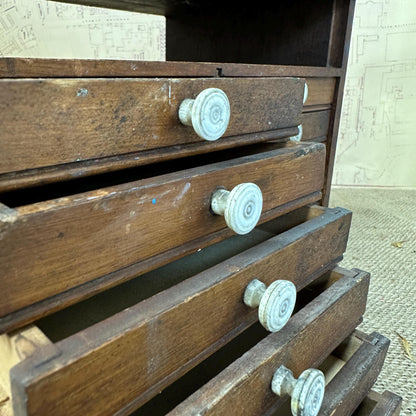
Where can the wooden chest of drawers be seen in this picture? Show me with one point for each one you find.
(151, 265)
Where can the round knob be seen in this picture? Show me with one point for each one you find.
(276, 303)
(305, 93)
(307, 391)
(208, 114)
(241, 207)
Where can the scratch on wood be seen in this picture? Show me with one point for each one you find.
(182, 193)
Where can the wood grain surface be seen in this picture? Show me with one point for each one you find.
(170, 342)
(70, 120)
(243, 388)
(52, 246)
(104, 68)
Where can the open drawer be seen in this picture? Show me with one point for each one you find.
(350, 372)
(68, 121)
(236, 380)
(196, 308)
(243, 387)
(57, 251)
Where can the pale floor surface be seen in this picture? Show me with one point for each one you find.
(381, 218)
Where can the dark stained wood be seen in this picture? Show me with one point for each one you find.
(320, 91)
(50, 174)
(55, 245)
(160, 327)
(239, 32)
(243, 388)
(376, 404)
(339, 32)
(57, 302)
(71, 120)
(336, 113)
(353, 382)
(315, 125)
(92, 68)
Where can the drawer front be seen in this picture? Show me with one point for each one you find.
(315, 125)
(50, 247)
(347, 388)
(177, 328)
(321, 92)
(73, 120)
(243, 388)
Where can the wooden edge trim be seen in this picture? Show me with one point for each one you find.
(89, 68)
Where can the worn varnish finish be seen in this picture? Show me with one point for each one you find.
(30, 151)
(69, 120)
(243, 388)
(55, 245)
(157, 326)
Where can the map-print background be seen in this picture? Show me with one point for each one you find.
(377, 139)
(48, 29)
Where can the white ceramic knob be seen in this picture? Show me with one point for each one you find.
(208, 114)
(305, 93)
(276, 302)
(307, 391)
(241, 207)
(298, 137)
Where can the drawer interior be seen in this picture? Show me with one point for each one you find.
(209, 368)
(81, 315)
